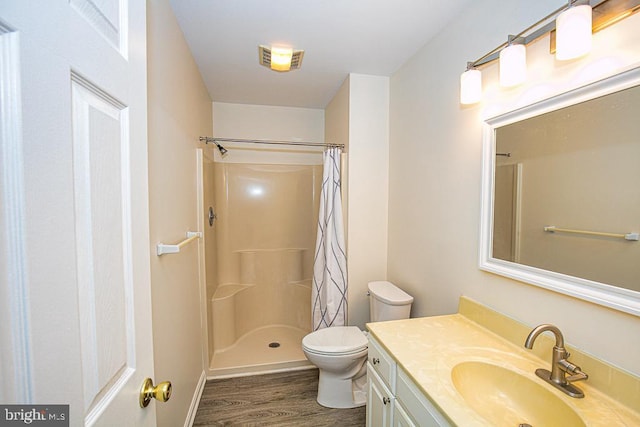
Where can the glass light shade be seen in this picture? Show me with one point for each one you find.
(281, 58)
(513, 65)
(573, 32)
(470, 87)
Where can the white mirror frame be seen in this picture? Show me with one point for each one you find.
(599, 293)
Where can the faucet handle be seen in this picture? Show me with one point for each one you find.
(574, 370)
(578, 376)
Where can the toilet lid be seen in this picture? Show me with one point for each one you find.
(337, 339)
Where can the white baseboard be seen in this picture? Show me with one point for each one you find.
(195, 402)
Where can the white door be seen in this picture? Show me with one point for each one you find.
(74, 233)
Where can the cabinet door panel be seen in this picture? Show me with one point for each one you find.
(400, 416)
(379, 401)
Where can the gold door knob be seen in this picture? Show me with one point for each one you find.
(161, 392)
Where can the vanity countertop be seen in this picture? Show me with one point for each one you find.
(428, 348)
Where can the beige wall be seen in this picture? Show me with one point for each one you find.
(368, 179)
(264, 122)
(336, 125)
(179, 111)
(435, 174)
(336, 129)
(267, 122)
(358, 116)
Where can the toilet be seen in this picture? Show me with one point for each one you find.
(340, 352)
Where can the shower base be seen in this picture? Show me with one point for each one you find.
(258, 352)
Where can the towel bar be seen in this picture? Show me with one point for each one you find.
(627, 236)
(174, 249)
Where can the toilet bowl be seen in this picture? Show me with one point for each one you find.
(340, 352)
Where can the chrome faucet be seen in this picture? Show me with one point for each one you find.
(560, 364)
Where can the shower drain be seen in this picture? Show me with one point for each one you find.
(274, 344)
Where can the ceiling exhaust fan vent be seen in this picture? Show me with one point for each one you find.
(265, 55)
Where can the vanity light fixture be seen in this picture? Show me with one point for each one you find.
(570, 26)
(470, 85)
(513, 62)
(574, 31)
(280, 59)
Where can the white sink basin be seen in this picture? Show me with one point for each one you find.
(506, 398)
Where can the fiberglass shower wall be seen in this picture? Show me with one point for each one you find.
(266, 230)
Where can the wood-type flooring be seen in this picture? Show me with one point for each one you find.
(281, 399)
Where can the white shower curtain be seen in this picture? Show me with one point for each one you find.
(329, 293)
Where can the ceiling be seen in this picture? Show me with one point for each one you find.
(338, 36)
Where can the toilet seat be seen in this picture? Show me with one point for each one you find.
(337, 340)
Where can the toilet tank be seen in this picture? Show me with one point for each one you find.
(388, 302)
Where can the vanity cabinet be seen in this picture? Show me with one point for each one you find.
(393, 399)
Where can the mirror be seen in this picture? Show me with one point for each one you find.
(561, 193)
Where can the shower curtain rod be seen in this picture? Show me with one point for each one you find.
(208, 139)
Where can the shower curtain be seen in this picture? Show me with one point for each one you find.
(329, 292)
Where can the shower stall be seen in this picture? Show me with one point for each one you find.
(259, 284)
